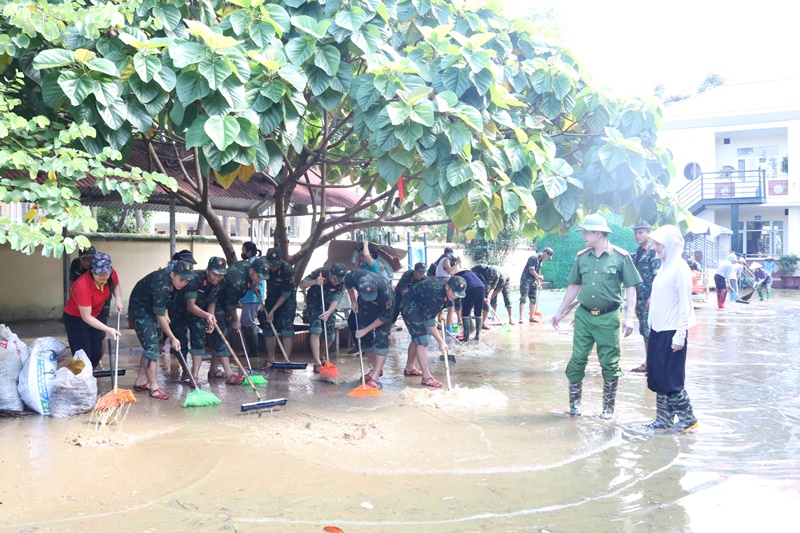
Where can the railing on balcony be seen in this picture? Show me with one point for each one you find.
(726, 187)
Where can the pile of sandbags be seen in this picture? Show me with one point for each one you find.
(13, 353)
(73, 391)
(38, 372)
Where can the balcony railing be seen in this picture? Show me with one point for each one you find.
(726, 187)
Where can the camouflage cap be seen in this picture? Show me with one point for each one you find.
(87, 252)
(459, 286)
(218, 265)
(338, 271)
(273, 257)
(420, 267)
(548, 250)
(368, 289)
(101, 263)
(261, 268)
(184, 270)
(643, 225)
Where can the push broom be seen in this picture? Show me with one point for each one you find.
(505, 325)
(446, 361)
(198, 397)
(328, 370)
(288, 364)
(251, 375)
(261, 403)
(110, 405)
(363, 390)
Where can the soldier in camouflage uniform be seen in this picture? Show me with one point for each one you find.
(373, 309)
(241, 276)
(281, 302)
(647, 264)
(490, 276)
(596, 278)
(408, 278)
(422, 303)
(147, 310)
(328, 284)
(531, 281)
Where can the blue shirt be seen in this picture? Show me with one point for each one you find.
(250, 297)
(724, 268)
(769, 266)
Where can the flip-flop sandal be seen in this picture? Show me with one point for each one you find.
(533, 320)
(412, 373)
(141, 388)
(520, 321)
(158, 394)
(219, 374)
(234, 379)
(431, 382)
(317, 368)
(372, 383)
(642, 368)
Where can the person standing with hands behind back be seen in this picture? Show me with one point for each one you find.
(596, 279)
(647, 264)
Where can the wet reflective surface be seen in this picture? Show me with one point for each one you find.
(498, 454)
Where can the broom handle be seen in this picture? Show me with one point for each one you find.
(278, 342)
(244, 349)
(324, 322)
(446, 362)
(186, 367)
(233, 354)
(116, 356)
(360, 354)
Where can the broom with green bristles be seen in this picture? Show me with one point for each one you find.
(198, 397)
(254, 377)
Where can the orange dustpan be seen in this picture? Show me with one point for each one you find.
(328, 369)
(363, 389)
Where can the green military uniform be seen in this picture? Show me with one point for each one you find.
(236, 283)
(597, 320)
(150, 298)
(281, 283)
(490, 275)
(420, 306)
(381, 307)
(528, 283)
(314, 307)
(204, 294)
(401, 289)
(647, 264)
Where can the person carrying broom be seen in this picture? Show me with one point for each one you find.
(330, 283)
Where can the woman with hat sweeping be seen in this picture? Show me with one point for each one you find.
(88, 296)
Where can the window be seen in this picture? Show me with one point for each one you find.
(761, 237)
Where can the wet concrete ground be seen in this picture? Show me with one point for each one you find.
(497, 455)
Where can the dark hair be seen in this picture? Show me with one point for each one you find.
(251, 248)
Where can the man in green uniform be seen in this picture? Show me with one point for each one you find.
(147, 310)
(647, 264)
(420, 307)
(531, 281)
(596, 279)
(322, 283)
(408, 278)
(373, 309)
(491, 277)
(281, 302)
(200, 300)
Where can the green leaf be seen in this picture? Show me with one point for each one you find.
(456, 80)
(458, 172)
(541, 81)
(398, 112)
(459, 137)
(408, 134)
(186, 54)
(562, 85)
(452, 195)
(54, 58)
(103, 66)
(145, 92)
(351, 19)
(390, 170)
(52, 94)
(115, 115)
(166, 78)
(248, 132)
(279, 18)
(273, 90)
(222, 131)
(471, 116)
(191, 86)
(327, 58)
(106, 92)
(196, 134)
(482, 80)
(300, 49)
(550, 106)
(461, 215)
(168, 15)
(261, 33)
(75, 86)
(612, 156)
(215, 71)
(318, 80)
(239, 20)
(147, 66)
(430, 193)
(478, 60)
(311, 26)
(294, 76)
(553, 184)
(422, 113)
(138, 116)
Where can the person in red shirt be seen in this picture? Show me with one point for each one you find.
(87, 296)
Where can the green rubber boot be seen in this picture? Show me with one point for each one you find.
(465, 324)
(250, 335)
(609, 398)
(664, 414)
(683, 409)
(575, 393)
(478, 326)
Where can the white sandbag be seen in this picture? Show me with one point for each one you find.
(10, 341)
(71, 394)
(38, 372)
(10, 367)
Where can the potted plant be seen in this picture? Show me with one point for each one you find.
(789, 264)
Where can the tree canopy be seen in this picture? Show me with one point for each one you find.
(415, 103)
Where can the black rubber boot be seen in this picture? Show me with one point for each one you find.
(465, 325)
(250, 335)
(609, 398)
(478, 324)
(664, 414)
(683, 409)
(575, 392)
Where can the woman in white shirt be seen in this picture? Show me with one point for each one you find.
(671, 316)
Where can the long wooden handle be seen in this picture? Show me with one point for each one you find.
(278, 342)
(241, 367)
(324, 322)
(446, 362)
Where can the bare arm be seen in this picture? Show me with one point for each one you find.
(569, 296)
(86, 315)
(118, 298)
(163, 321)
(363, 331)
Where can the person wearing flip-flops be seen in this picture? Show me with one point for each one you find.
(647, 264)
(408, 278)
(373, 309)
(147, 310)
(420, 306)
(531, 281)
(329, 281)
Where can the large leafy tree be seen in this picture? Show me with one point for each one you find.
(413, 103)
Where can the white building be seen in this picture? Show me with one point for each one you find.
(730, 145)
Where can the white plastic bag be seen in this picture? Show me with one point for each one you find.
(72, 394)
(10, 341)
(10, 367)
(38, 372)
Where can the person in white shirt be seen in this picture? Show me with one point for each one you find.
(671, 316)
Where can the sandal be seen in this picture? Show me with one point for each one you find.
(219, 374)
(141, 388)
(642, 368)
(520, 321)
(372, 383)
(414, 372)
(431, 382)
(234, 379)
(317, 368)
(158, 394)
(533, 320)
(185, 378)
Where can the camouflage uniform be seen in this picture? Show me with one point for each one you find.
(236, 283)
(647, 264)
(281, 283)
(204, 294)
(502, 284)
(376, 340)
(405, 283)
(331, 293)
(150, 298)
(528, 284)
(490, 275)
(422, 303)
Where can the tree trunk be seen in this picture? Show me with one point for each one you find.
(139, 220)
(219, 231)
(201, 222)
(121, 221)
